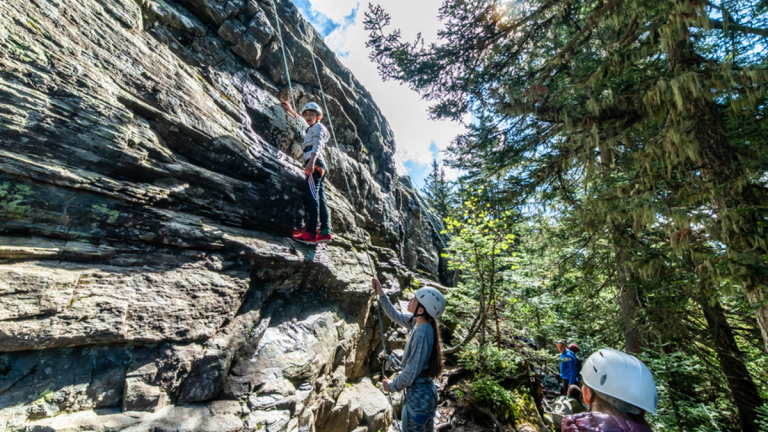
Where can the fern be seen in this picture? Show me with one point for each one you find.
(762, 418)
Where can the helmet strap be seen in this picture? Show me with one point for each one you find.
(416, 312)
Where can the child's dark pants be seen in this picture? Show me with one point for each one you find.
(314, 195)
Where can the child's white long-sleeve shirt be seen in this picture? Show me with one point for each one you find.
(315, 138)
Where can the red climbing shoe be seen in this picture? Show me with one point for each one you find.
(305, 238)
(324, 238)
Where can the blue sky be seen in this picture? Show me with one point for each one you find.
(325, 24)
(340, 22)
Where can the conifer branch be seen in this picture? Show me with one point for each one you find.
(729, 22)
(719, 25)
(593, 21)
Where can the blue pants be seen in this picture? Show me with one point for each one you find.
(314, 196)
(420, 406)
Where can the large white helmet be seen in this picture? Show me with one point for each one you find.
(432, 300)
(621, 376)
(312, 107)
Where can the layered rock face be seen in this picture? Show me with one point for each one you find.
(148, 188)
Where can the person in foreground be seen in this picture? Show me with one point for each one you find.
(422, 360)
(315, 138)
(618, 389)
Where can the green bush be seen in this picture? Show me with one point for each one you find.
(491, 361)
(503, 403)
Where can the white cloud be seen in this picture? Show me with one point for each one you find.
(336, 10)
(403, 108)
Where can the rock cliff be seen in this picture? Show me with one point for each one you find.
(148, 188)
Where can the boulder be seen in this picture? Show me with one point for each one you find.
(269, 421)
(261, 27)
(360, 405)
(231, 30)
(81, 305)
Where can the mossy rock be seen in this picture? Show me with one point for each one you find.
(528, 418)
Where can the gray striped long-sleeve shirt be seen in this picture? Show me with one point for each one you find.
(417, 349)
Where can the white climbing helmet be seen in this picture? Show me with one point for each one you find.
(621, 376)
(432, 300)
(312, 107)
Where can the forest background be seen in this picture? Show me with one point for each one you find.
(615, 190)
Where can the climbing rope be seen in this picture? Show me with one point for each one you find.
(330, 119)
(373, 270)
(349, 190)
(285, 62)
(336, 143)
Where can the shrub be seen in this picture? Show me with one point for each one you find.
(503, 403)
(491, 361)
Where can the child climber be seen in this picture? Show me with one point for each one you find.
(315, 137)
(422, 359)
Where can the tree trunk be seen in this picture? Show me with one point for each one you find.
(745, 395)
(670, 385)
(470, 334)
(757, 299)
(497, 319)
(482, 319)
(629, 304)
(627, 291)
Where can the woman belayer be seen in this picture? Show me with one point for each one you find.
(422, 359)
(618, 389)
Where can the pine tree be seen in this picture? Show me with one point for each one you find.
(676, 95)
(438, 190)
(639, 128)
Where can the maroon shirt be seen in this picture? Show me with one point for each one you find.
(599, 422)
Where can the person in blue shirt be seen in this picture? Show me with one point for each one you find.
(568, 370)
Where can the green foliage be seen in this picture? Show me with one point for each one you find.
(762, 421)
(491, 361)
(44, 396)
(481, 249)
(628, 141)
(437, 190)
(481, 240)
(503, 403)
